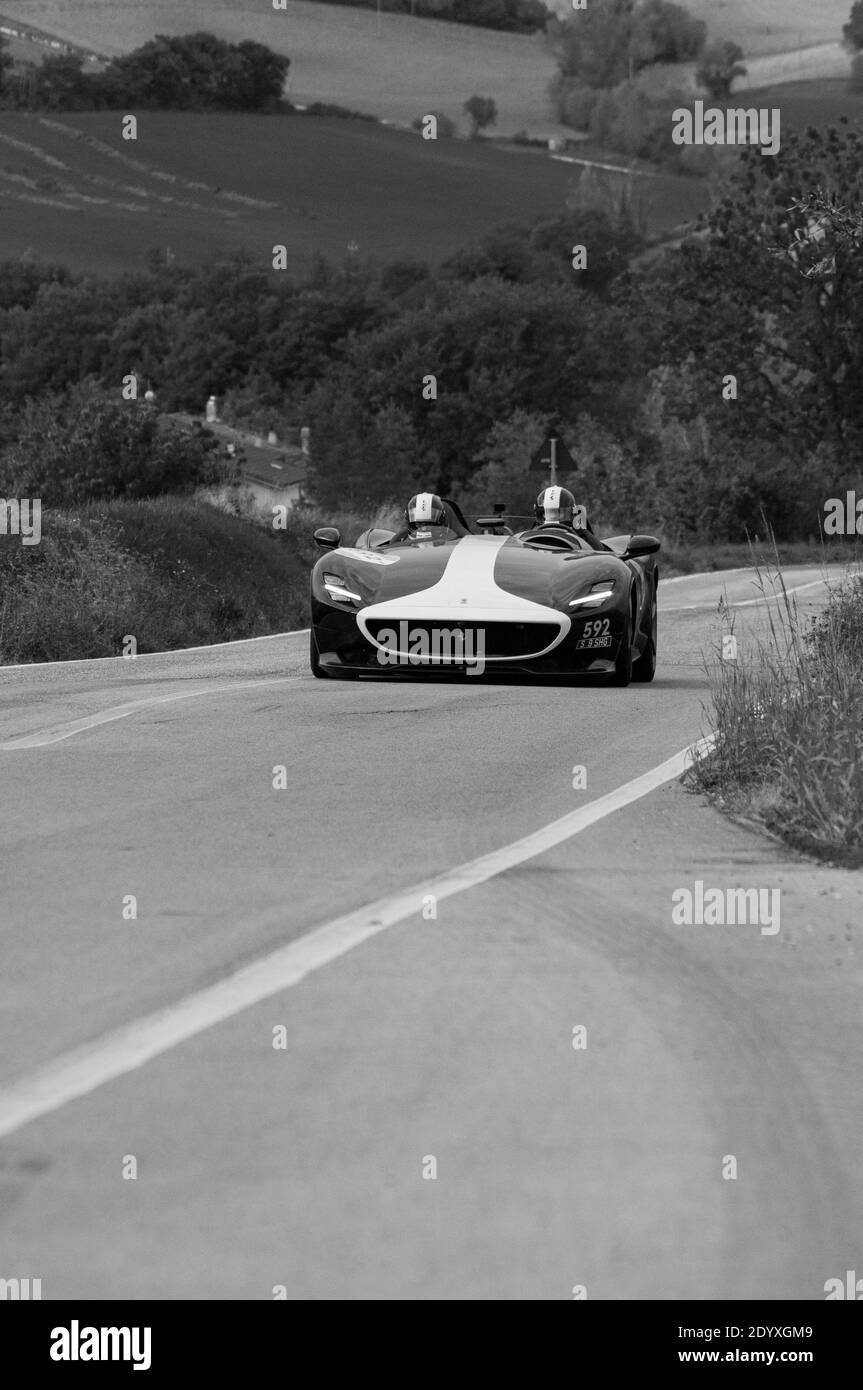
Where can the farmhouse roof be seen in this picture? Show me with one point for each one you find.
(276, 465)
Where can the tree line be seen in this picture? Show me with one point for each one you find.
(697, 388)
(190, 72)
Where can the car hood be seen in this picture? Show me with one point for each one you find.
(494, 574)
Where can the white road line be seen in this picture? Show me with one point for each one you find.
(145, 656)
(743, 603)
(705, 574)
(42, 738)
(84, 1069)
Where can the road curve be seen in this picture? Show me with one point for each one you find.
(443, 1043)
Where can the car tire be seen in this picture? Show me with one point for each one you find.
(644, 669)
(623, 665)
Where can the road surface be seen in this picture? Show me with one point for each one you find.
(332, 1084)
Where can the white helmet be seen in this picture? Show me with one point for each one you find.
(425, 509)
(555, 505)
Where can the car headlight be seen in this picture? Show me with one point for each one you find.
(337, 589)
(595, 596)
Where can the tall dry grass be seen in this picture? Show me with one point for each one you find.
(788, 720)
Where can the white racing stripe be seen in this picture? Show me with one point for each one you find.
(41, 738)
(83, 1070)
(466, 591)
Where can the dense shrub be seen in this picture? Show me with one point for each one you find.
(190, 72)
(85, 444)
(170, 572)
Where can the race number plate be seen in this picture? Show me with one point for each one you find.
(597, 633)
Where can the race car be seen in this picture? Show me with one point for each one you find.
(440, 594)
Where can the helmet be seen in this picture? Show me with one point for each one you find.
(425, 509)
(555, 504)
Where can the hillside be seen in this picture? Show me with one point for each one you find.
(170, 570)
(413, 66)
(73, 191)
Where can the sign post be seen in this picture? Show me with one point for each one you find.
(553, 454)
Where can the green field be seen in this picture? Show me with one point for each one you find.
(71, 190)
(818, 103)
(772, 26)
(413, 66)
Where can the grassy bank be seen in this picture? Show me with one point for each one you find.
(681, 558)
(171, 572)
(789, 729)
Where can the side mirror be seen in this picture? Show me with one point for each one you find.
(487, 522)
(641, 545)
(328, 537)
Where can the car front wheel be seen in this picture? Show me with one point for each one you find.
(644, 669)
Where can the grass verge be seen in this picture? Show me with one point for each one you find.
(171, 572)
(789, 728)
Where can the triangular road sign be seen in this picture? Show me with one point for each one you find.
(552, 450)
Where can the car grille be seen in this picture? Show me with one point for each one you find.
(493, 640)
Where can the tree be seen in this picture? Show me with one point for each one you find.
(481, 112)
(6, 62)
(594, 45)
(852, 32)
(262, 76)
(361, 457)
(60, 84)
(196, 72)
(720, 65)
(86, 444)
(665, 33)
(776, 291)
(503, 465)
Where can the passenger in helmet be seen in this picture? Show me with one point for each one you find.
(555, 506)
(428, 521)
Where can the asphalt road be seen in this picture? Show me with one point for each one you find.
(447, 1033)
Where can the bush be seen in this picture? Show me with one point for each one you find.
(787, 723)
(852, 32)
(331, 108)
(86, 444)
(573, 102)
(855, 81)
(627, 121)
(481, 112)
(446, 128)
(194, 72)
(720, 65)
(170, 572)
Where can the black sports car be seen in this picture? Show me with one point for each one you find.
(543, 601)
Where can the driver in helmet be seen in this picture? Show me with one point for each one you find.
(555, 506)
(426, 519)
(425, 509)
